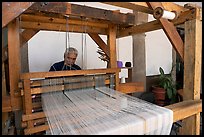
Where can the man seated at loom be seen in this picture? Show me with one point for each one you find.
(68, 63)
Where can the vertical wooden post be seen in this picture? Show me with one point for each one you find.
(112, 48)
(27, 100)
(4, 90)
(192, 71)
(14, 59)
(112, 45)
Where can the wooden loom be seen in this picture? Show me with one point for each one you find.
(49, 18)
(34, 87)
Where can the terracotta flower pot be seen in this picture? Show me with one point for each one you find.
(159, 94)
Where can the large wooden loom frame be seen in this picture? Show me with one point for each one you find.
(103, 22)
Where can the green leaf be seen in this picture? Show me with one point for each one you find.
(161, 71)
(169, 93)
(165, 85)
(174, 91)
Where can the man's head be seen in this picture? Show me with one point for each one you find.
(70, 56)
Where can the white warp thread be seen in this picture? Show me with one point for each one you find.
(104, 111)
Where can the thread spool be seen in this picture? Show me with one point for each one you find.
(161, 13)
(119, 64)
(127, 64)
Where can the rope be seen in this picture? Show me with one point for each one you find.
(84, 47)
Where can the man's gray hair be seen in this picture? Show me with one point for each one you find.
(71, 50)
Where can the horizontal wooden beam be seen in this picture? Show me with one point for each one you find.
(36, 129)
(33, 116)
(11, 10)
(185, 109)
(137, 6)
(65, 8)
(62, 87)
(143, 7)
(36, 122)
(69, 21)
(142, 28)
(131, 87)
(68, 73)
(61, 27)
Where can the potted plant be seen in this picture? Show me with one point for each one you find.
(165, 92)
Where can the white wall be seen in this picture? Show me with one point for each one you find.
(48, 47)
(158, 51)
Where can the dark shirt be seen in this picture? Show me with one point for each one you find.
(59, 66)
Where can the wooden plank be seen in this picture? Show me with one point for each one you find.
(39, 90)
(60, 27)
(17, 105)
(100, 43)
(131, 87)
(51, 19)
(192, 72)
(36, 129)
(112, 49)
(36, 122)
(173, 37)
(26, 35)
(28, 100)
(68, 73)
(112, 45)
(143, 7)
(137, 6)
(65, 8)
(170, 31)
(141, 28)
(14, 58)
(4, 90)
(6, 104)
(11, 10)
(38, 83)
(185, 109)
(37, 115)
(37, 105)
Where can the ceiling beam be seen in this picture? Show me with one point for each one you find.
(61, 27)
(137, 6)
(143, 7)
(155, 25)
(141, 28)
(70, 21)
(66, 8)
(11, 10)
